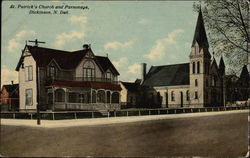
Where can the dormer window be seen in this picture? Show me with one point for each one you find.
(51, 72)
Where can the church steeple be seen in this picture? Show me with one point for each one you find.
(222, 66)
(200, 34)
(244, 73)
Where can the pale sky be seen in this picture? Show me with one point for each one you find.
(131, 33)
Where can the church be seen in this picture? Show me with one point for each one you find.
(199, 83)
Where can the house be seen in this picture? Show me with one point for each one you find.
(63, 80)
(201, 82)
(129, 93)
(10, 97)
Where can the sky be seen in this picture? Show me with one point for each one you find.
(130, 33)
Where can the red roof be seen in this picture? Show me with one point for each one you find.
(85, 84)
(65, 59)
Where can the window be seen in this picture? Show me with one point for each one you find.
(51, 72)
(193, 67)
(108, 76)
(74, 98)
(131, 99)
(88, 70)
(101, 96)
(196, 83)
(196, 95)
(60, 95)
(187, 95)
(28, 73)
(28, 97)
(198, 67)
(172, 96)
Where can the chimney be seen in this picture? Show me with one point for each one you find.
(85, 46)
(143, 71)
(12, 82)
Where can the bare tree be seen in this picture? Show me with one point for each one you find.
(227, 23)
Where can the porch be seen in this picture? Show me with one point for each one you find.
(59, 98)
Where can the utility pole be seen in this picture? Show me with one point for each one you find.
(38, 85)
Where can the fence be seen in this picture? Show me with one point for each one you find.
(94, 114)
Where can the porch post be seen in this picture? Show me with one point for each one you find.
(91, 95)
(110, 98)
(53, 99)
(65, 98)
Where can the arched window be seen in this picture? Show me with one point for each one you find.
(60, 95)
(198, 67)
(172, 96)
(187, 95)
(196, 82)
(88, 70)
(115, 97)
(193, 67)
(196, 95)
(101, 96)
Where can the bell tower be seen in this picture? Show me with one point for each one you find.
(200, 59)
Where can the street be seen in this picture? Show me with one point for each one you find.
(215, 135)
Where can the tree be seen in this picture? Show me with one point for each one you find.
(227, 23)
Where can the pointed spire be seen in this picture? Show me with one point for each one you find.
(200, 33)
(222, 66)
(244, 73)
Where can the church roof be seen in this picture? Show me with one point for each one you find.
(167, 75)
(65, 59)
(200, 33)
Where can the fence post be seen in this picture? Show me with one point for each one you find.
(127, 113)
(53, 116)
(167, 111)
(115, 113)
(158, 112)
(92, 114)
(139, 113)
(14, 116)
(183, 110)
(75, 116)
(175, 111)
(191, 110)
(199, 110)
(149, 112)
(31, 117)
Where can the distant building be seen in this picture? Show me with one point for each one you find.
(129, 94)
(10, 97)
(62, 80)
(198, 83)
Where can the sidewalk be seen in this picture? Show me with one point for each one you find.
(111, 120)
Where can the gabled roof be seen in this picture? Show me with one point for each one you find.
(10, 88)
(106, 64)
(66, 60)
(131, 86)
(43, 56)
(167, 75)
(200, 32)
